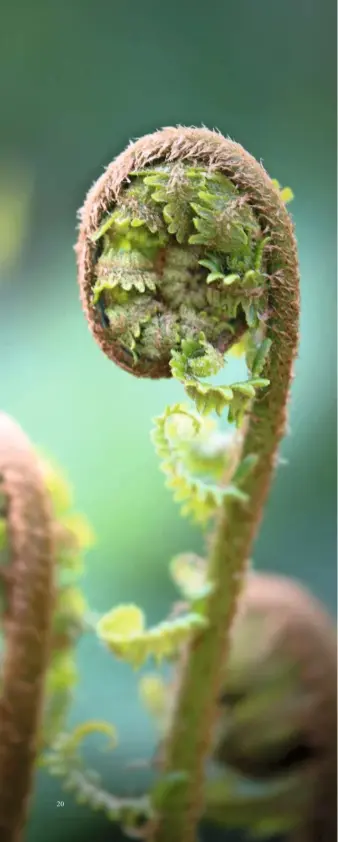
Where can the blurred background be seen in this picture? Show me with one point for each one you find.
(78, 80)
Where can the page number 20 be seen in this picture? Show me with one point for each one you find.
(60, 803)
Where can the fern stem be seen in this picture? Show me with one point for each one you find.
(231, 547)
(28, 589)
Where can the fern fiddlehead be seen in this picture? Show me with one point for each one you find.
(26, 580)
(185, 246)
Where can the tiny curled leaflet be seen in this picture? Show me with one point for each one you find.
(123, 630)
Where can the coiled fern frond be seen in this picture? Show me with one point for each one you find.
(186, 252)
(124, 632)
(202, 465)
(65, 761)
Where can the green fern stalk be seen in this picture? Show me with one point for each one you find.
(185, 247)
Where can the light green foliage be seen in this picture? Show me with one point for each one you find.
(124, 631)
(175, 230)
(196, 357)
(182, 269)
(194, 462)
(209, 398)
(256, 355)
(175, 189)
(64, 761)
(182, 238)
(61, 680)
(132, 270)
(223, 221)
(214, 398)
(286, 193)
(189, 573)
(243, 394)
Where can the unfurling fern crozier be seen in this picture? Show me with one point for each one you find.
(173, 272)
(186, 250)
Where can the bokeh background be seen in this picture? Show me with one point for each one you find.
(79, 79)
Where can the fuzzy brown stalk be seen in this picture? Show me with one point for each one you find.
(27, 581)
(236, 530)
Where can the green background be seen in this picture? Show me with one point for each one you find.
(79, 79)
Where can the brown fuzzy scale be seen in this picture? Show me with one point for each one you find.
(28, 584)
(237, 526)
